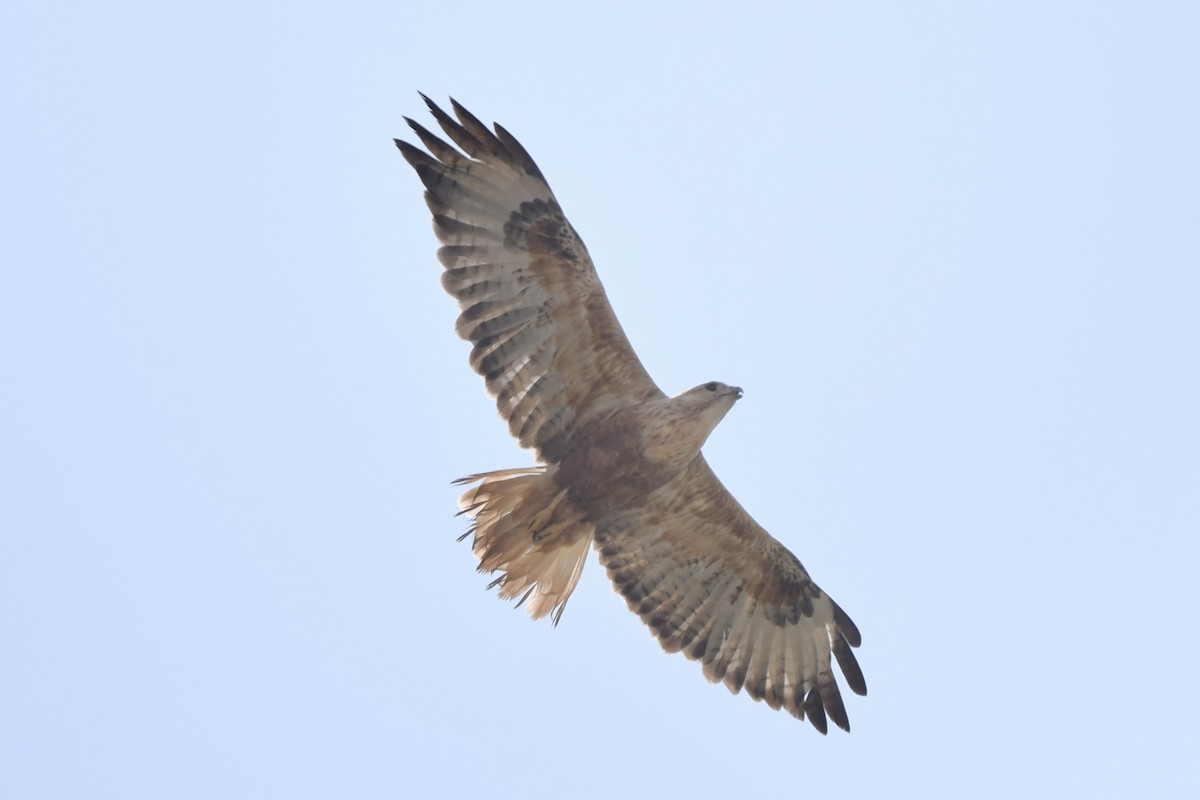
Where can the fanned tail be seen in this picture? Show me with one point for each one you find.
(526, 528)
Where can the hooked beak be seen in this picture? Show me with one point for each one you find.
(737, 392)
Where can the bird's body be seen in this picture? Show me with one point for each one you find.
(621, 461)
(640, 448)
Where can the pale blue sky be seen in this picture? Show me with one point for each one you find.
(950, 250)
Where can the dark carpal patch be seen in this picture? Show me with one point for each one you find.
(540, 227)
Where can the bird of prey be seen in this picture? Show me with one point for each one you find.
(620, 462)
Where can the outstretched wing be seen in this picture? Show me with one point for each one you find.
(546, 339)
(712, 583)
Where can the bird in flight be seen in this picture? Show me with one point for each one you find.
(620, 465)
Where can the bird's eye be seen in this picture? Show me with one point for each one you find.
(711, 386)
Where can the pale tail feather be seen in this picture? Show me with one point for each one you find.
(526, 528)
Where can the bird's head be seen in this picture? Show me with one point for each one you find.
(680, 425)
(711, 401)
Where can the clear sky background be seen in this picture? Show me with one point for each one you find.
(950, 250)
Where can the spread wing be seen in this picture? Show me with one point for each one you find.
(545, 337)
(712, 583)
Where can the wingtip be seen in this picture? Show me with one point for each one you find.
(417, 158)
(433, 106)
(430, 104)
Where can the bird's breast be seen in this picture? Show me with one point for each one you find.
(608, 470)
